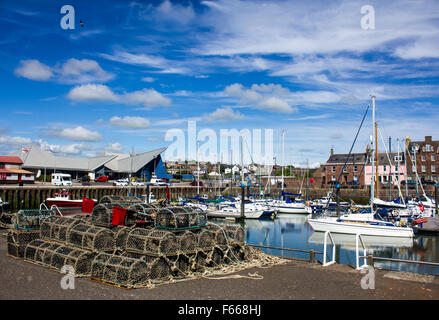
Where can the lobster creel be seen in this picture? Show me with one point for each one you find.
(91, 238)
(127, 272)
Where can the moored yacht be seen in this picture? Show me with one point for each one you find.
(364, 223)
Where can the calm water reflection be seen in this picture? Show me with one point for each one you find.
(293, 231)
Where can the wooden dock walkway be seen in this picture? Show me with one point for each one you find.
(430, 227)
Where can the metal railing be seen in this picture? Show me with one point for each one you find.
(328, 234)
(368, 259)
(311, 252)
(371, 259)
(55, 207)
(358, 240)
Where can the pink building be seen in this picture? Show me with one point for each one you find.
(397, 170)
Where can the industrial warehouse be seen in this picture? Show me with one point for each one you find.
(114, 165)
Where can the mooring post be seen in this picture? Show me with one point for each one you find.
(312, 257)
(370, 260)
(147, 192)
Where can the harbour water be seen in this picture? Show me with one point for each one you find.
(293, 231)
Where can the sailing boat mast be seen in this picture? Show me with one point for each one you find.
(198, 169)
(283, 155)
(405, 165)
(372, 186)
(377, 158)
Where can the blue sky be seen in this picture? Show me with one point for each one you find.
(139, 68)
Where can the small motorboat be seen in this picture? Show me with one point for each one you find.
(65, 205)
(250, 212)
(64, 200)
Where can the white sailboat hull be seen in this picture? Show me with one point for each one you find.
(234, 214)
(332, 225)
(288, 209)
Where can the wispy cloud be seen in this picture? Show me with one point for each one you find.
(317, 117)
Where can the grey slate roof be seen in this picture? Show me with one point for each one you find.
(340, 158)
(37, 158)
(360, 158)
(122, 162)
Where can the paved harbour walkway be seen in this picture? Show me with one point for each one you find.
(293, 280)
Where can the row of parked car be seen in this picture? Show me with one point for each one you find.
(125, 182)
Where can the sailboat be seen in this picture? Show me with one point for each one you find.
(364, 223)
(288, 204)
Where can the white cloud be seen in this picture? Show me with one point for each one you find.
(321, 116)
(92, 92)
(78, 133)
(297, 28)
(137, 59)
(163, 65)
(34, 70)
(261, 97)
(71, 149)
(175, 13)
(113, 147)
(222, 115)
(182, 93)
(72, 71)
(147, 97)
(130, 122)
(148, 79)
(83, 71)
(274, 104)
(99, 92)
(14, 141)
(427, 47)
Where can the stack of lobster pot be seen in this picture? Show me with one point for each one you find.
(126, 243)
(25, 227)
(70, 242)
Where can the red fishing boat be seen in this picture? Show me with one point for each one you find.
(64, 202)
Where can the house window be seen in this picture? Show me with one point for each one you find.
(355, 178)
(333, 169)
(355, 168)
(423, 157)
(344, 169)
(385, 168)
(429, 148)
(423, 169)
(333, 178)
(398, 158)
(433, 157)
(433, 168)
(413, 168)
